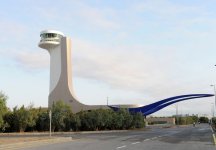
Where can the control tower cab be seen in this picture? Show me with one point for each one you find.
(50, 39)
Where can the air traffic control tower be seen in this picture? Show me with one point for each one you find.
(59, 48)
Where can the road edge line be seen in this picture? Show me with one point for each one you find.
(214, 139)
(213, 135)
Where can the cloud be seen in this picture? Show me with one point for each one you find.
(131, 68)
(11, 31)
(169, 17)
(32, 60)
(164, 8)
(120, 66)
(98, 17)
(81, 14)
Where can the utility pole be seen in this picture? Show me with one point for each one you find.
(107, 100)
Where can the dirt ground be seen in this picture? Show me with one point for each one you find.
(11, 140)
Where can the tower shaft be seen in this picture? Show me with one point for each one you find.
(61, 73)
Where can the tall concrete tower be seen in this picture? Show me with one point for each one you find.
(61, 87)
(59, 48)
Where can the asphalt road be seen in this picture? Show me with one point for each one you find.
(178, 138)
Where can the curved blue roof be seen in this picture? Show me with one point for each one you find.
(154, 107)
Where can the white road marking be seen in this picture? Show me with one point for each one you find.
(203, 129)
(154, 138)
(135, 143)
(146, 140)
(213, 135)
(212, 130)
(121, 147)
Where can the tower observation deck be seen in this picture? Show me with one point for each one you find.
(50, 39)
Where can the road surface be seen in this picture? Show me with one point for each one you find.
(157, 138)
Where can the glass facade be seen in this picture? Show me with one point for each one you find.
(50, 37)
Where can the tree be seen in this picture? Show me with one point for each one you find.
(195, 118)
(117, 120)
(106, 120)
(75, 122)
(22, 118)
(88, 120)
(60, 111)
(42, 122)
(3, 109)
(127, 119)
(33, 114)
(203, 120)
(9, 121)
(138, 120)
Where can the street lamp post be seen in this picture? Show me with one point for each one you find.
(215, 97)
(50, 117)
(177, 114)
(212, 110)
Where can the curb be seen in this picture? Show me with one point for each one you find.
(59, 133)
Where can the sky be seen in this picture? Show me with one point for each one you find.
(133, 52)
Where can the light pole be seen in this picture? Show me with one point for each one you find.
(50, 117)
(212, 110)
(176, 113)
(214, 96)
